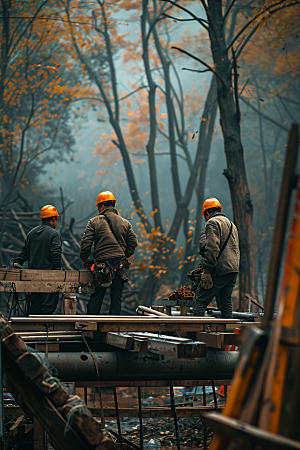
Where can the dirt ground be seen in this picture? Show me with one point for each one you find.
(162, 432)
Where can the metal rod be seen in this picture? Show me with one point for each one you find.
(280, 224)
(85, 396)
(204, 426)
(225, 393)
(117, 414)
(214, 394)
(140, 416)
(174, 414)
(102, 412)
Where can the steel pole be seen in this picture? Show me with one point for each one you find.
(132, 366)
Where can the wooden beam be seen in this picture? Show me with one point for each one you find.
(118, 340)
(46, 286)
(217, 340)
(177, 349)
(157, 383)
(161, 411)
(249, 433)
(41, 407)
(140, 345)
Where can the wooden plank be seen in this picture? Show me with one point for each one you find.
(249, 433)
(177, 349)
(13, 411)
(10, 274)
(59, 326)
(151, 327)
(85, 276)
(166, 302)
(118, 340)
(140, 345)
(43, 275)
(161, 411)
(44, 286)
(41, 407)
(161, 336)
(157, 383)
(217, 340)
(120, 319)
(51, 347)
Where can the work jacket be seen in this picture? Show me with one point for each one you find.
(217, 229)
(106, 246)
(42, 248)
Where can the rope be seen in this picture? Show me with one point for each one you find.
(69, 421)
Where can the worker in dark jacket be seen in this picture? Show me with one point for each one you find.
(114, 242)
(43, 250)
(220, 261)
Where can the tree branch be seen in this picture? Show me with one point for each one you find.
(202, 22)
(201, 62)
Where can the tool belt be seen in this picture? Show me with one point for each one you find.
(104, 272)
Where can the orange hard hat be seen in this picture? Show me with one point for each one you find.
(48, 211)
(211, 202)
(105, 196)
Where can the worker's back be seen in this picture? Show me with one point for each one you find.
(42, 248)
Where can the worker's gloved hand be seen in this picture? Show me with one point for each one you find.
(17, 266)
(206, 280)
(88, 263)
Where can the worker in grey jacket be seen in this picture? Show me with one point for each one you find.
(220, 261)
(43, 250)
(114, 241)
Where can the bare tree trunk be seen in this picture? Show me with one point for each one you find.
(236, 171)
(150, 147)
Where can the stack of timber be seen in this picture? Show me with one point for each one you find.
(65, 418)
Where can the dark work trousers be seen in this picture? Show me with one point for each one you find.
(43, 303)
(222, 290)
(96, 300)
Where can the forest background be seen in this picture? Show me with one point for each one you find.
(94, 96)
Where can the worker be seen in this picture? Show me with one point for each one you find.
(43, 250)
(220, 261)
(114, 242)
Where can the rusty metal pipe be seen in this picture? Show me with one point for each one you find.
(132, 366)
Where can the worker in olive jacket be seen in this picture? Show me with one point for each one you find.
(114, 242)
(220, 261)
(43, 250)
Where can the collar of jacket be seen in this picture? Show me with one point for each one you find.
(109, 209)
(216, 214)
(48, 224)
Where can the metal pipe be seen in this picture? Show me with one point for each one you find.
(132, 366)
(140, 310)
(141, 419)
(118, 416)
(173, 408)
(204, 425)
